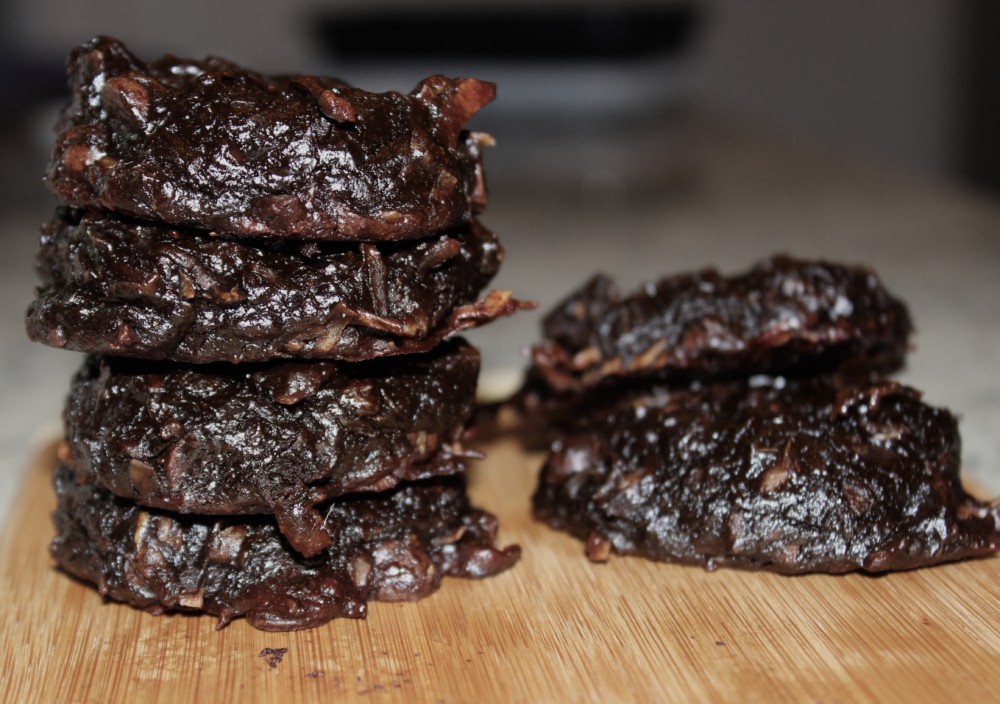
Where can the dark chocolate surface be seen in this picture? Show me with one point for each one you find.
(783, 315)
(810, 475)
(277, 438)
(391, 546)
(124, 287)
(211, 145)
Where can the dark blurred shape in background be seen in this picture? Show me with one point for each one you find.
(596, 32)
(980, 138)
(30, 84)
(586, 94)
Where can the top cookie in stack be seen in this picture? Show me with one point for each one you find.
(287, 255)
(212, 145)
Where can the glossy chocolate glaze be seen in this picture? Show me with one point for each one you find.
(792, 476)
(130, 288)
(784, 314)
(211, 145)
(277, 438)
(391, 546)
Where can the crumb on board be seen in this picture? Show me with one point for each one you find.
(273, 655)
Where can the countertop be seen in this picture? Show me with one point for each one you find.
(734, 196)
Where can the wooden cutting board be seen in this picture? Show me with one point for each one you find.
(555, 628)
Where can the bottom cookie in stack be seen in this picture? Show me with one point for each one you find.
(389, 546)
(288, 492)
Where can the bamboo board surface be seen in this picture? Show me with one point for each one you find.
(554, 628)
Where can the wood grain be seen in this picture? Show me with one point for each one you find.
(555, 628)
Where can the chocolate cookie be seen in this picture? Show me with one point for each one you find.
(810, 475)
(276, 438)
(126, 287)
(392, 546)
(782, 315)
(211, 145)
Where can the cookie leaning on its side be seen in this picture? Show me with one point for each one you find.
(784, 315)
(671, 445)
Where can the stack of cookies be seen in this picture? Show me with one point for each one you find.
(749, 421)
(267, 273)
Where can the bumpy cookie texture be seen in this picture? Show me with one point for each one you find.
(125, 287)
(813, 475)
(278, 438)
(782, 315)
(392, 546)
(211, 145)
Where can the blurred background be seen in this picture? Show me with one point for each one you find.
(640, 138)
(906, 81)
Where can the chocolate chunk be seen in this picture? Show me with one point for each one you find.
(783, 315)
(211, 145)
(277, 438)
(392, 546)
(125, 287)
(787, 475)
